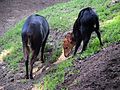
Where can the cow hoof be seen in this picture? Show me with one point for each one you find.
(37, 59)
(42, 61)
(101, 44)
(31, 77)
(27, 77)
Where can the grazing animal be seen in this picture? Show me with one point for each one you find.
(35, 32)
(85, 24)
(68, 44)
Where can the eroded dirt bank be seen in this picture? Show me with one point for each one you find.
(98, 72)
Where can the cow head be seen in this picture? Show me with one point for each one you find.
(68, 44)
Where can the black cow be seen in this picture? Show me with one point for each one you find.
(85, 24)
(35, 32)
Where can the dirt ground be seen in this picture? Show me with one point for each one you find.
(98, 72)
(12, 11)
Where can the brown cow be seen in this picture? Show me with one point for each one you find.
(68, 44)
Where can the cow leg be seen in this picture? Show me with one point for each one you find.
(99, 37)
(85, 42)
(78, 42)
(33, 59)
(31, 65)
(26, 52)
(42, 50)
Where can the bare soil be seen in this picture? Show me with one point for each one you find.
(12, 11)
(98, 72)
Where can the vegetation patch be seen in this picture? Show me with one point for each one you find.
(56, 75)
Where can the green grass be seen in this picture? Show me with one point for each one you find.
(56, 75)
(11, 41)
(62, 17)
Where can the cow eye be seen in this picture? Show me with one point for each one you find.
(66, 47)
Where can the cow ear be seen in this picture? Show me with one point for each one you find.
(70, 39)
(73, 39)
(65, 36)
(64, 41)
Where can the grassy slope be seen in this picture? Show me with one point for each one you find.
(62, 17)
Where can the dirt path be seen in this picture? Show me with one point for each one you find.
(12, 11)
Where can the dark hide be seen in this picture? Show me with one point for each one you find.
(85, 24)
(35, 32)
